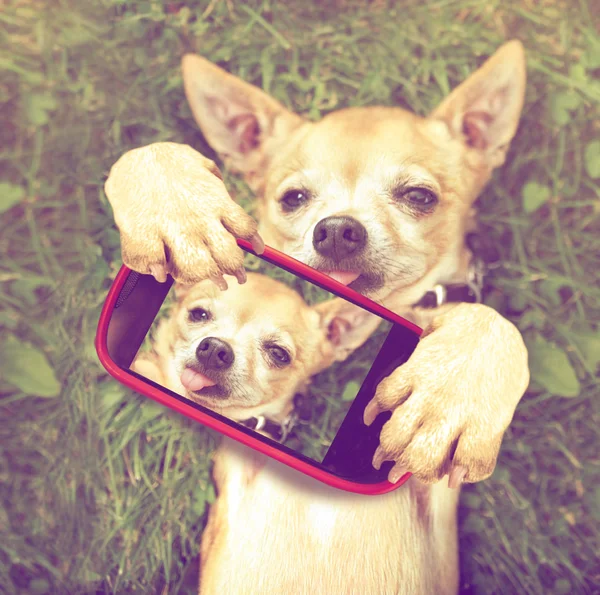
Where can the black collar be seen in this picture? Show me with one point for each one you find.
(280, 431)
(442, 294)
(277, 431)
(484, 256)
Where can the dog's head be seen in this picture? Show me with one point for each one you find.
(247, 350)
(377, 197)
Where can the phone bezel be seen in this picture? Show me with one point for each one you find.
(216, 422)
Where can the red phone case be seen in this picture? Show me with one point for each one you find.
(135, 383)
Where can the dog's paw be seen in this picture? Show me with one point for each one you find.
(454, 398)
(176, 216)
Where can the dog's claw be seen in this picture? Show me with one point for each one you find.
(378, 458)
(456, 476)
(159, 272)
(240, 275)
(220, 282)
(257, 244)
(396, 473)
(371, 412)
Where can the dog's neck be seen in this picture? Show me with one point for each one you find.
(451, 269)
(276, 410)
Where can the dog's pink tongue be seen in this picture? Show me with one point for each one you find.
(194, 381)
(343, 277)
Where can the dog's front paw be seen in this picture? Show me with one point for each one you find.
(454, 398)
(176, 216)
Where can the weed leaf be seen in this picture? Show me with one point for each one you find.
(350, 391)
(534, 196)
(591, 158)
(38, 106)
(588, 343)
(550, 367)
(577, 72)
(10, 195)
(27, 368)
(592, 55)
(561, 106)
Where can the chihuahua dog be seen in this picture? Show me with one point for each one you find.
(243, 355)
(382, 200)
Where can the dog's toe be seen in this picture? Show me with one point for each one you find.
(191, 266)
(433, 448)
(391, 393)
(225, 251)
(477, 454)
(423, 447)
(145, 254)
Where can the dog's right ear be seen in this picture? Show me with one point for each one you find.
(347, 326)
(242, 123)
(484, 110)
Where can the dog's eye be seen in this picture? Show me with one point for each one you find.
(280, 355)
(199, 315)
(420, 197)
(293, 199)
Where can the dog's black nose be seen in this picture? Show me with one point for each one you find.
(339, 237)
(215, 354)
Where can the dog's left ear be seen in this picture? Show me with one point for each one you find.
(180, 290)
(347, 326)
(243, 124)
(484, 111)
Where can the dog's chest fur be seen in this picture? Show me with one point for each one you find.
(350, 543)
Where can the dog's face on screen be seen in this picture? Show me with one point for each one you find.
(379, 198)
(254, 345)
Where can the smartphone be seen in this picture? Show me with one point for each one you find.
(290, 338)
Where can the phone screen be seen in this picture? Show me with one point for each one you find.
(275, 345)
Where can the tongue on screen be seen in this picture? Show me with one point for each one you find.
(344, 277)
(195, 381)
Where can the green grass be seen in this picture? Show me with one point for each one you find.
(102, 490)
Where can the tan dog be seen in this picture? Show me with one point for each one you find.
(382, 200)
(247, 351)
